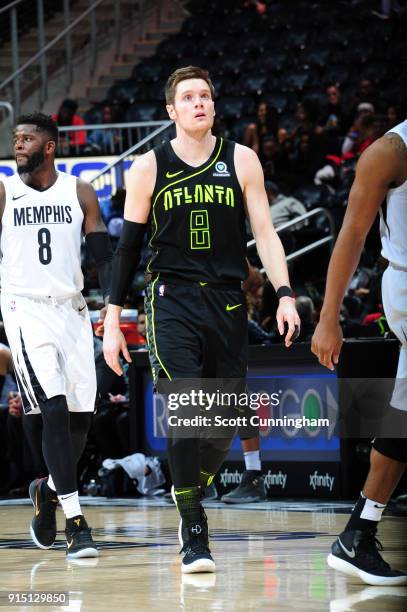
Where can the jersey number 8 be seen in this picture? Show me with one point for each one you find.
(199, 228)
(44, 242)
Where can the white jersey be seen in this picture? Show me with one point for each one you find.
(393, 216)
(41, 239)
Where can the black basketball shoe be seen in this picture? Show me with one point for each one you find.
(197, 556)
(356, 553)
(43, 528)
(251, 489)
(182, 529)
(79, 542)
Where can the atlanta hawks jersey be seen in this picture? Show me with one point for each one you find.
(197, 219)
(41, 239)
(393, 216)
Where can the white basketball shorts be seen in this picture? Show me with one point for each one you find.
(394, 293)
(52, 346)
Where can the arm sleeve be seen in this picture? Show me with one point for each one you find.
(126, 259)
(101, 249)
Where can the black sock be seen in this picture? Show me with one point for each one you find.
(355, 522)
(189, 504)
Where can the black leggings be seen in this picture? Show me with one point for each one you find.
(63, 441)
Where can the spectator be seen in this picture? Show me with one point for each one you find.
(365, 93)
(308, 159)
(306, 311)
(283, 208)
(107, 141)
(70, 142)
(362, 133)
(332, 115)
(268, 155)
(393, 116)
(266, 125)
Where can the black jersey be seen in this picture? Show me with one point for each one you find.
(197, 219)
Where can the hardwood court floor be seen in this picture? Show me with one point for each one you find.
(269, 557)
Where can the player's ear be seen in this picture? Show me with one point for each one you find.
(171, 111)
(51, 146)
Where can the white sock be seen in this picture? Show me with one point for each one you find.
(252, 460)
(70, 504)
(372, 511)
(50, 483)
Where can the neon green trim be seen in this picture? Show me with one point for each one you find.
(207, 478)
(183, 492)
(152, 322)
(185, 178)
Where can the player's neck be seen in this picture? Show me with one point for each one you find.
(194, 148)
(41, 178)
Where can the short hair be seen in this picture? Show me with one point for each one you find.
(182, 74)
(44, 123)
(305, 307)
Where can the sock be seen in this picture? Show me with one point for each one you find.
(50, 483)
(365, 515)
(70, 504)
(252, 461)
(206, 478)
(189, 504)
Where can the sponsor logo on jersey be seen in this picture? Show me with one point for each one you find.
(199, 194)
(318, 481)
(221, 169)
(42, 215)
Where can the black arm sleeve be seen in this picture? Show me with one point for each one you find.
(126, 260)
(101, 249)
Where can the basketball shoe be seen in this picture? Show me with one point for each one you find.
(79, 542)
(43, 528)
(251, 489)
(197, 555)
(356, 553)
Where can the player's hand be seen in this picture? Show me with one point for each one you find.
(287, 313)
(15, 404)
(100, 329)
(113, 343)
(327, 342)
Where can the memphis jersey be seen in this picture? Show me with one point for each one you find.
(393, 216)
(197, 219)
(41, 239)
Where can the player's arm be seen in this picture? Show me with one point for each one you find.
(269, 247)
(139, 189)
(378, 169)
(96, 236)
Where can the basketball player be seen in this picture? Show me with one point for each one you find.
(381, 173)
(195, 192)
(44, 213)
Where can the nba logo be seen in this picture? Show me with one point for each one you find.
(161, 290)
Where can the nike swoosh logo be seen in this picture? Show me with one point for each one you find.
(69, 544)
(351, 553)
(18, 197)
(83, 308)
(36, 503)
(229, 307)
(172, 174)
